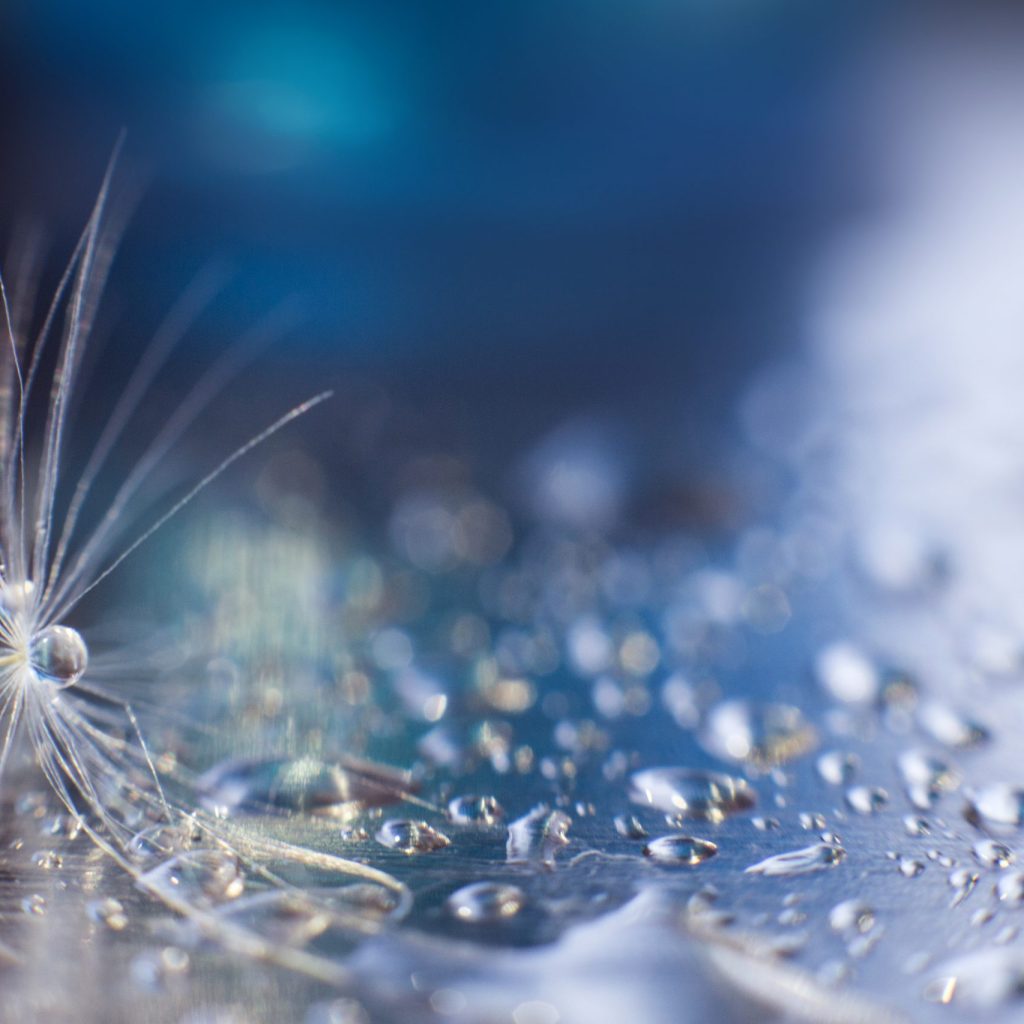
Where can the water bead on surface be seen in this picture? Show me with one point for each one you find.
(411, 837)
(851, 915)
(990, 853)
(836, 767)
(682, 793)
(759, 735)
(202, 877)
(475, 810)
(847, 674)
(60, 654)
(300, 784)
(485, 901)
(997, 806)
(680, 849)
(537, 836)
(799, 862)
(866, 799)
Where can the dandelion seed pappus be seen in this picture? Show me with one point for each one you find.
(82, 734)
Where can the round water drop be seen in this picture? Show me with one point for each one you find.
(475, 810)
(847, 674)
(926, 777)
(1010, 888)
(866, 799)
(949, 727)
(60, 654)
(707, 796)
(997, 806)
(990, 853)
(851, 916)
(837, 768)
(761, 735)
(680, 849)
(201, 876)
(485, 901)
(411, 837)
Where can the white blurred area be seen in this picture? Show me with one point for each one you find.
(910, 444)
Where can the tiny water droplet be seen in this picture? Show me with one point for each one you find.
(47, 860)
(485, 901)
(411, 837)
(992, 854)
(866, 799)
(926, 777)
(475, 810)
(760, 735)
(680, 849)
(949, 727)
(629, 827)
(109, 912)
(799, 862)
(851, 916)
(847, 674)
(910, 867)
(837, 768)
(34, 905)
(706, 796)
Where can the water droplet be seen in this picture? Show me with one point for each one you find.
(992, 854)
(34, 905)
(985, 979)
(629, 827)
(411, 837)
(851, 916)
(926, 777)
(60, 654)
(963, 881)
(866, 799)
(847, 674)
(997, 806)
(199, 876)
(915, 826)
(538, 835)
(680, 849)
(1010, 888)
(47, 860)
(109, 912)
(812, 822)
(765, 824)
(837, 768)
(302, 784)
(949, 727)
(475, 810)
(761, 735)
(706, 796)
(799, 862)
(485, 901)
(910, 867)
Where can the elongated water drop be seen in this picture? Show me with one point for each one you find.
(706, 796)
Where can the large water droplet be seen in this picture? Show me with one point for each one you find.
(926, 777)
(411, 837)
(60, 654)
(707, 796)
(949, 727)
(799, 862)
(537, 835)
(851, 916)
(990, 853)
(485, 901)
(997, 806)
(761, 735)
(847, 673)
(680, 849)
(836, 767)
(302, 784)
(866, 799)
(202, 877)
